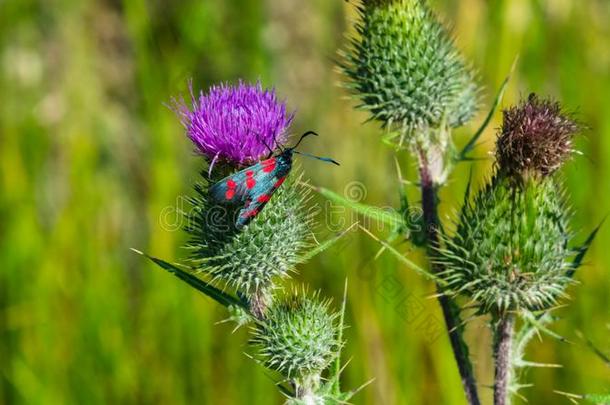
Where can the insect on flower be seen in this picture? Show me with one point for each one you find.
(254, 186)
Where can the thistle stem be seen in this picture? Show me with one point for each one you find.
(305, 389)
(502, 354)
(449, 307)
(258, 304)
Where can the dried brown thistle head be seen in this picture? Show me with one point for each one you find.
(535, 138)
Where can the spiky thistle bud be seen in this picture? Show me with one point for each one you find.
(510, 251)
(235, 126)
(298, 339)
(404, 67)
(252, 259)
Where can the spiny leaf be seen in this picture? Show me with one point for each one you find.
(528, 317)
(582, 251)
(468, 186)
(528, 330)
(195, 282)
(326, 244)
(599, 399)
(596, 350)
(391, 218)
(533, 364)
(403, 259)
(603, 399)
(335, 371)
(462, 156)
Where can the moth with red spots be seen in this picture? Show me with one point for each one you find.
(253, 187)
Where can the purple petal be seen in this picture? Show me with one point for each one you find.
(235, 124)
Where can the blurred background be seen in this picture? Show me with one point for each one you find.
(92, 163)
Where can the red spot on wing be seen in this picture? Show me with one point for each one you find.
(230, 194)
(250, 182)
(251, 213)
(279, 182)
(268, 165)
(263, 198)
(231, 184)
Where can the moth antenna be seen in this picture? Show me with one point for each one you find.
(276, 143)
(306, 134)
(324, 159)
(270, 150)
(257, 135)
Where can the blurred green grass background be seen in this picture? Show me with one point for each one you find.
(90, 157)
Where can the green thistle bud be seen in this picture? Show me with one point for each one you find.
(252, 259)
(510, 251)
(299, 339)
(404, 67)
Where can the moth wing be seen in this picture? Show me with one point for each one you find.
(232, 189)
(250, 211)
(258, 196)
(252, 187)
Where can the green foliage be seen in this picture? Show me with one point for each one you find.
(510, 250)
(405, 68)
(298, 337)
(464, 153)
(600, 399)
(89, 156)
(234, 304)
(251, 259)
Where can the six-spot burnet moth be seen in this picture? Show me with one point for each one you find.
(254, 186)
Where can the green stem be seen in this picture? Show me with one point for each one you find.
(305, 389)
(449, 307)
(258, 304)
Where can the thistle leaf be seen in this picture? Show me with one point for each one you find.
(462, 156)
(404, 260)
(195, 282)
(335, 371)
(582, 251)
(391, 218)
(326, 244)
(596, 350)
(529, 318)
(600, 399)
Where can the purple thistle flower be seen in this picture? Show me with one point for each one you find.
(235, 124)
(536, 137)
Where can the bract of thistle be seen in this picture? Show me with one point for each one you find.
(298, 338)
(403, 66)
(510, 251)
(252, 259)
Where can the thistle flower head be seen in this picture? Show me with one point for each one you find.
(405, 68)
(235, 124)
(535, 138)
(252, 259)
(299, 337)
(510, 251)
